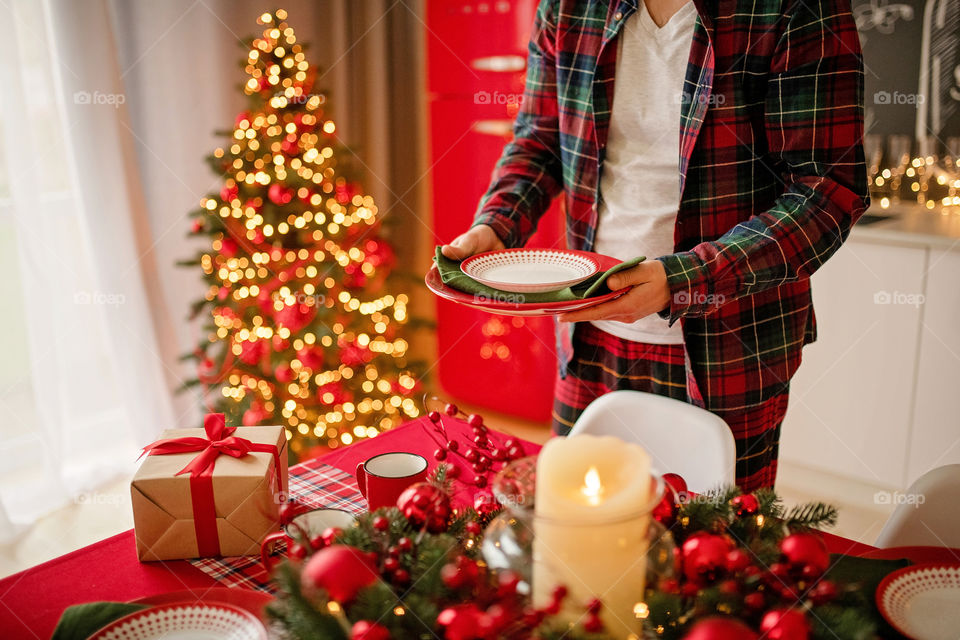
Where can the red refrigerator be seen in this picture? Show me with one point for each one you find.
(476, 63)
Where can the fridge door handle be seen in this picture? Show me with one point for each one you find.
(501, 128)
(503, 64)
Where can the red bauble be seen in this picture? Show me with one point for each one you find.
(463, 572)
(785, 624)
(228, 247)
(823, 592)
(311, 357)
(243, 115)
(255, 415)
(290, 147)
(745, 505)
(279, 194)
(252, 351)
(666, 510)
(718, 628)
(425, 506)
(806, 550)
(675, 482)
(196, 226)
(485, 504)
(227, 194)
(295, 316)
(704, 557)
(366, 630)
(465, 622)
(340, 570)
(284, 373)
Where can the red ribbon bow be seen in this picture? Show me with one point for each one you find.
(219, 441)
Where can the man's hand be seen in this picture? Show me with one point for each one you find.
(649, 294)
(477, 240)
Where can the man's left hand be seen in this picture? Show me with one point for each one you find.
(649, 293)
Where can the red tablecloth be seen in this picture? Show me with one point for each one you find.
(31, 601)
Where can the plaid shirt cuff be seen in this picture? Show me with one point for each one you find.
(502, 225)
(691, 289)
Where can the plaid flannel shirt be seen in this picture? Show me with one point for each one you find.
(771, 163)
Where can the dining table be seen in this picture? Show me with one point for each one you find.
(32, 601)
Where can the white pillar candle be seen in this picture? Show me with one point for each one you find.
(592, 512)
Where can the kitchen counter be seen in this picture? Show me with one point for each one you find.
(909, 225)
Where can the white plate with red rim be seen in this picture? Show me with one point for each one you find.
(922, 601)
(531, 270)
(185, 621)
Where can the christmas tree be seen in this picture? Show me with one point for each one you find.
(302, 326)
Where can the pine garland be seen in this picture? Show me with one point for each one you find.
(411, 610)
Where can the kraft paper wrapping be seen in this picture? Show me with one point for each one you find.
(246, 494)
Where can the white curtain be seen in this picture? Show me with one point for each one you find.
(82, 385)
(107, 109)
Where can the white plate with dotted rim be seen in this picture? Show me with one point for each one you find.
(185, 621)
(922, 601)
(531, 270)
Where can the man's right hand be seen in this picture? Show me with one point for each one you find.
(477, 240)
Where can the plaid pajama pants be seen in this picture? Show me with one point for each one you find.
(602, 363)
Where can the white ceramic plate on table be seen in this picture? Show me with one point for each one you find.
(531, 270)
(185, 621)
(922, 601)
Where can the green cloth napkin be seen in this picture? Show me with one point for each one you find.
(81, 621)
(867, 573)
(595, 285)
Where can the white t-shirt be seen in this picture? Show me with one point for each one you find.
(640, 183)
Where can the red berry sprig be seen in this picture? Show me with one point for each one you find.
(483, 454)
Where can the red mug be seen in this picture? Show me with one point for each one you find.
(383, 477)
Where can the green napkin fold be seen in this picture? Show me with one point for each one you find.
(867, 573)
(81, 621)
(595, 285)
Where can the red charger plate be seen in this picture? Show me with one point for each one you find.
(247, 599)
(507, 304)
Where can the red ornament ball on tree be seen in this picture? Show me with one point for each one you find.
(806, 549)
(279, 194)
(366, 630)
(425, 506)
(718, 628)
(704, 557)
(745, 505)
(785, 624)
(465, 622)
(340, 570)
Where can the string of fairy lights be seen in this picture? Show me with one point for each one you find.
(295, 270)
(932, 182)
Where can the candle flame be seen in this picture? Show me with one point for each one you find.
(592, 487)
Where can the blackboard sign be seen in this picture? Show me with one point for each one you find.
(911, 52)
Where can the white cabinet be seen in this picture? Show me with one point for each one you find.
(935, 440)
(852, 398)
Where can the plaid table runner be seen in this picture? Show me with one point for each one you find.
(312, 483)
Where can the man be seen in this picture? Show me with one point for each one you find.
(722, 138)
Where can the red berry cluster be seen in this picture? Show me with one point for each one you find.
(496, 609)
(483, 454)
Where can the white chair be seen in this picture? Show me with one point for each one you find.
(680, 437)
(927, 513)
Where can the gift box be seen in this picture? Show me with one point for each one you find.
(209, 492)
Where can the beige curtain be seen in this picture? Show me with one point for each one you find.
(179, 63)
